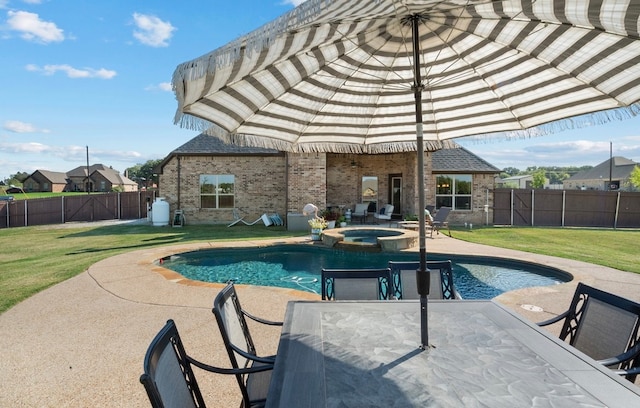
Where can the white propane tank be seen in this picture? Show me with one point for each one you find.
(160, 212)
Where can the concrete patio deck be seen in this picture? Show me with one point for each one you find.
(81, 343)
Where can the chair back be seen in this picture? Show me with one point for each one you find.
(233, 326)
(404, 283)
(356, 284)
(168, 377)
(441, 215)
(361, 209)
(601, 324)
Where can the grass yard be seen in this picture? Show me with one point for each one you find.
(34, 258)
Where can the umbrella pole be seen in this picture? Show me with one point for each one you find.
(422, 276)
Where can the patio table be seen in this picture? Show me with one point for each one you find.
(366, 354)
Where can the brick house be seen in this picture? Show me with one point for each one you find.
(208, 179)
(45, 181)
(101, 179)
(612, 174)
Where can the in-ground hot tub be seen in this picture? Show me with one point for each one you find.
(370, 238)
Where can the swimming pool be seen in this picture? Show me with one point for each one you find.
(299, 266)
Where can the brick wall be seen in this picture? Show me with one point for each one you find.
(324, 179)
(260, 183)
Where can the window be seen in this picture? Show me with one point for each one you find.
(217, 191)
(370, 192)
(453, 190)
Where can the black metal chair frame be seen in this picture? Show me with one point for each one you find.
(626, 363)
(446, 276)
(169, 335)
(329, 276)
(246, 351)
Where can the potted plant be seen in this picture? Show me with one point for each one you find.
(342, 220)
(317, 225)
(330, 217)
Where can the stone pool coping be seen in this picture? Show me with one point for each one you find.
(405, 240)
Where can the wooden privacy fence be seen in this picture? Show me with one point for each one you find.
(566, 208)
(62, 209)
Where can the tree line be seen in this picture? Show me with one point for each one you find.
(555, 174)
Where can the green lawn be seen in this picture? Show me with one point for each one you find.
(617, 249)
(34, 258)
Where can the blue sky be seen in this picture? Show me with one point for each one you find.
(97, 74)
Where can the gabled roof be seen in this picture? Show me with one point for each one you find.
(205, 144)
(621, 169)
(114, 177)
(81, 171)
(55, 177)
(460, 160)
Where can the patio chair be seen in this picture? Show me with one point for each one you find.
(403, 278)
(385, 213)
(605, 327)
(440, 221)
(231, 319)
(356, 284)
(168, 376)
(361, 212)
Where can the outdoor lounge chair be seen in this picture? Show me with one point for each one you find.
(240, 347)
(356, 284)
(268, 220)
(403, 277)
(440, 220)
(168, 377)
(361, 212)
(385, 213)
(605, 327)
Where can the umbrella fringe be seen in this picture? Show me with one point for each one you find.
(344, 148)
(576, 122)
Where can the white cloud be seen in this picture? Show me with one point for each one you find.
(294, 3)
(73, 72)
(32, 28)
(162, 86)
(16, 126)
(3, 4)
(152, 31)
(32, 1)
(69, 153)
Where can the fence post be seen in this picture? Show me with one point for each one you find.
(615, 219)
(564, 204)
(26, 214)
(511, 205)
(533, 209)
(62, 209)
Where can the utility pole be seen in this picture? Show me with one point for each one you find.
(610, 165)
(88, 181)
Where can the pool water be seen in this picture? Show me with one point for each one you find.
(299, 266)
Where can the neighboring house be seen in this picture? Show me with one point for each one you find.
(208, 179)
(523, 181)
(105, 180)
(102, 179)
(612, 174)
(45, 181)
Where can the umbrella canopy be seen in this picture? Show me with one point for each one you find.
(381, 76)
(339, 75)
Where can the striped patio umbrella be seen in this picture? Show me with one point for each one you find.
(380, 76)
